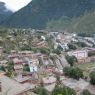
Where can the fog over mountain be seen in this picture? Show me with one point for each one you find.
(4, 12)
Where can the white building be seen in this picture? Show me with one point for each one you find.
(81, 55)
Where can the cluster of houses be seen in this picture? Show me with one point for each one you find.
(41, 66)
(24, 57)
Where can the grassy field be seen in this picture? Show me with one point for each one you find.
(86, 67)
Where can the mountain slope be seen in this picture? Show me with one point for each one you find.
(85, 23)
(38, 12)
(4, 12)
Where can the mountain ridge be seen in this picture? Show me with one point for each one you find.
(39, 12)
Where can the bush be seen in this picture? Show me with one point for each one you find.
(91, 54)
(71, 60)
(85, 34)
(81, 44)
(26, 48)
(85, 92)
(57, 51)
(2, 68)
(73, 72)
(72, 47)
(44, 51)
(66, 71)
(26, 68)
(92, 77)
(63, 91)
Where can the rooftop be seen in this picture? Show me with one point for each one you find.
(10, 86)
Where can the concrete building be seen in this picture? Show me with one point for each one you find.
(81, 55)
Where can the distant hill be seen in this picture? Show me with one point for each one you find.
(39, 12)
(4, 12)
(83, 24)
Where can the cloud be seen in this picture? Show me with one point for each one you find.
(15, 4)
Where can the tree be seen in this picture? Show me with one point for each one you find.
(10, 68)
(2, 68)
(45, 51)
(57, 90)
(57, 51)
(85, 92)
(42, 91)
(71, 46)
(26, 68)
(81, 44)
(73, 72)
(66, 71)
(26, 47)
(63, 91)
(68, 91)
(76, 73)
(60, 48)
(71, 60)
(58, 79)
(92, 77)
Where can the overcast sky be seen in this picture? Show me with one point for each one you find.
(16, 4)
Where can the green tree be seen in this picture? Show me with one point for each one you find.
(72, 47)
(73, 72)
(68, 91)
(67, 71)
(45, 51)
(58, 79)
(10, 68)
(85, 92)
(57, 90)
(26, 68)
(92, 77)
(26, 47)
(60, 48)
(71, 60)
(81, 44)
(42, 91)
(2, 68)
(57, 51)
(63, 91)
(76, 73)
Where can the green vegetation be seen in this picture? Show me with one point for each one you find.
(60, 14)
(63, 91)
(72, 46)
(81, 44)
(26, 47)
(85, 92)
(44, 51)
(57, 51)
(92, 77)
(10, 68)
(71, 60)
(40, 90)
(86, 68)
(2, 68)
(73, 72)
(91, 53)
(26, 68)
(83, 25)
(85, 34)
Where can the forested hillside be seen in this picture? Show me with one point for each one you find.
(85, 23)
(40, 12)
